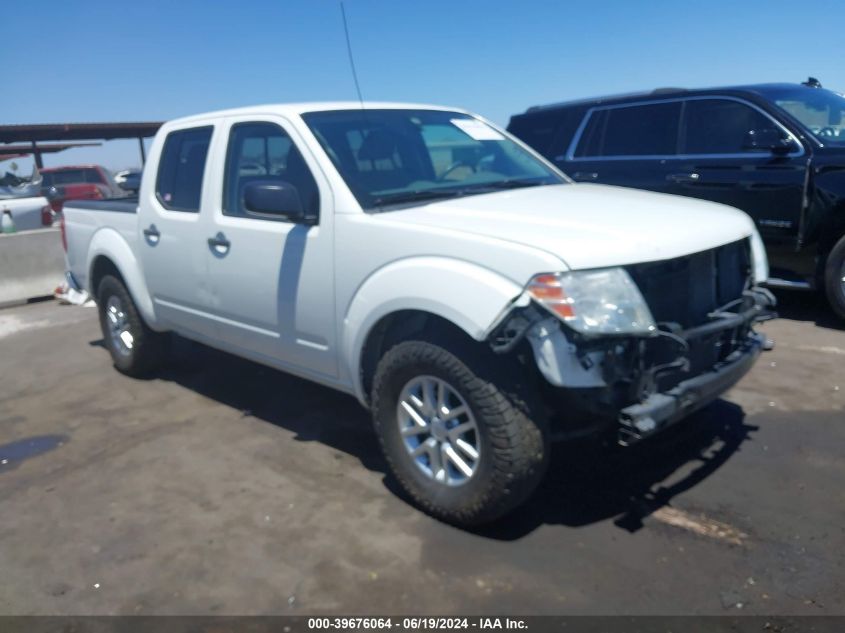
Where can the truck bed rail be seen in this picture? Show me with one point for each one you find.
(120, 205)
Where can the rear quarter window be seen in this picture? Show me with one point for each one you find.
(181, 168)
(550, 132)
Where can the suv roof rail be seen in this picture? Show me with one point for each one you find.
(583, 101)
(660, 91)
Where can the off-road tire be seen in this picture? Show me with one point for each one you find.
(148, 346)
(512, 428)
(833, 278)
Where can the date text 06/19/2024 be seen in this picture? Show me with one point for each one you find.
(420, 623)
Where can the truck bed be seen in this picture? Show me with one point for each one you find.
(85, 218)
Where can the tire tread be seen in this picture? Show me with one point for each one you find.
(834, 287)
(149, 345)
(517, 433)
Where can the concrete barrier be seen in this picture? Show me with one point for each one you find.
(32, 264)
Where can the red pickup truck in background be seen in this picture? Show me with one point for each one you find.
(79, 182)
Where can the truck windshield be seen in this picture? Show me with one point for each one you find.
(821, 111)
(393, 158)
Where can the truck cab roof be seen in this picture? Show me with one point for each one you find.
(296, 109)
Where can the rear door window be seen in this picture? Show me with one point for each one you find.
(720, 126)
(628, 131)
(181, 168)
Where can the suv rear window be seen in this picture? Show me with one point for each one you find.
(74, 176)
(636, 130)
(180, 172)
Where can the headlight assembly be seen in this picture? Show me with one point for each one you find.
(600, 301)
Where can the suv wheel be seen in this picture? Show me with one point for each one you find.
(463, 447)
(835, 278)
(135, 348)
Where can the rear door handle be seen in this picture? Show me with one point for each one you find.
(152, 234)
(219, 244)
(585, 175)
(683, 178)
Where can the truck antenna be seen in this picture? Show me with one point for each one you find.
(351, 59)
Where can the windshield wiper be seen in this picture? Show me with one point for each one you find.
(417, 196)
(435, 194)
(514, 183)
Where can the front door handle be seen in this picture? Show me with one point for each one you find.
(683, 178)
(219, 244)
(152, 234)
(585, 175)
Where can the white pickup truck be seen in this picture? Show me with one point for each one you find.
(424, 260)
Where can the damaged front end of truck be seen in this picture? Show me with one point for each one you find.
(635, 349)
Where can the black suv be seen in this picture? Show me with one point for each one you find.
(776, 151)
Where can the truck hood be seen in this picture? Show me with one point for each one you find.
(592, 226)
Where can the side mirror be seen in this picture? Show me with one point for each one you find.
(274, 197)
(768, 140)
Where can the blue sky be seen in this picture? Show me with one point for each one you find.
(149, 60)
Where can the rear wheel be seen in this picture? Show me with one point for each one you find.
(465, 444)
(136, 350)
(835, 278)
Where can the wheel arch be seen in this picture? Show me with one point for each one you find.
(401, 325)
(420, 295)
(110, 253)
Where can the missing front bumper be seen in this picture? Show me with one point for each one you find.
(591, 381)
(660, 410)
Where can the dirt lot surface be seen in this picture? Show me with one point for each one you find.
(221, 487)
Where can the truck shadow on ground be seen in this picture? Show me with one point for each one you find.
(807, 306)
(588, 480)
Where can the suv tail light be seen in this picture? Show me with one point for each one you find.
(47, 215)
(63, 231)
(56, 196)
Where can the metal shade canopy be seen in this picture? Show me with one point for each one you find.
(76, 132)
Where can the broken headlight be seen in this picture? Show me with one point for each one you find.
(601, 301)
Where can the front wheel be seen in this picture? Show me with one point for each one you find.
(467, 448)
(835, 278)
(135, 349)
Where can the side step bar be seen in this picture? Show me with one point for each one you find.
(774, 282)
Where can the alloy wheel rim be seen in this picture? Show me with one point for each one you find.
(439, 430)
(118, 325)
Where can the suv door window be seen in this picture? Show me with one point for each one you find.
(635, 130)
(181, 168)
(720, 126)
(264, 152)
